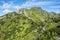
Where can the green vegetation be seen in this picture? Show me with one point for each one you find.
(32, 24)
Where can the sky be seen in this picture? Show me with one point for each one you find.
(13, 5)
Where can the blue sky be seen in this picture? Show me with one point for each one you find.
(13, 5)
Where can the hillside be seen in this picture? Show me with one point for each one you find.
(30, 24)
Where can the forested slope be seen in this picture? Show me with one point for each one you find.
(30, 24)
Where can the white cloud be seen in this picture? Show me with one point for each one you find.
(6, 11)
(33, 3)
(58, 6)
(27, 4)
(6, 6)
(9, 5)
(33, 0)
(17, 7)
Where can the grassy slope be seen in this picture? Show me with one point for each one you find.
(15, 26)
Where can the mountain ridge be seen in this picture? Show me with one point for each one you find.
(30, 24)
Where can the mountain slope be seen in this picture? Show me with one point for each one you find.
(29, 24)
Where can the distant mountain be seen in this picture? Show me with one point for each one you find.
(30, 24)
